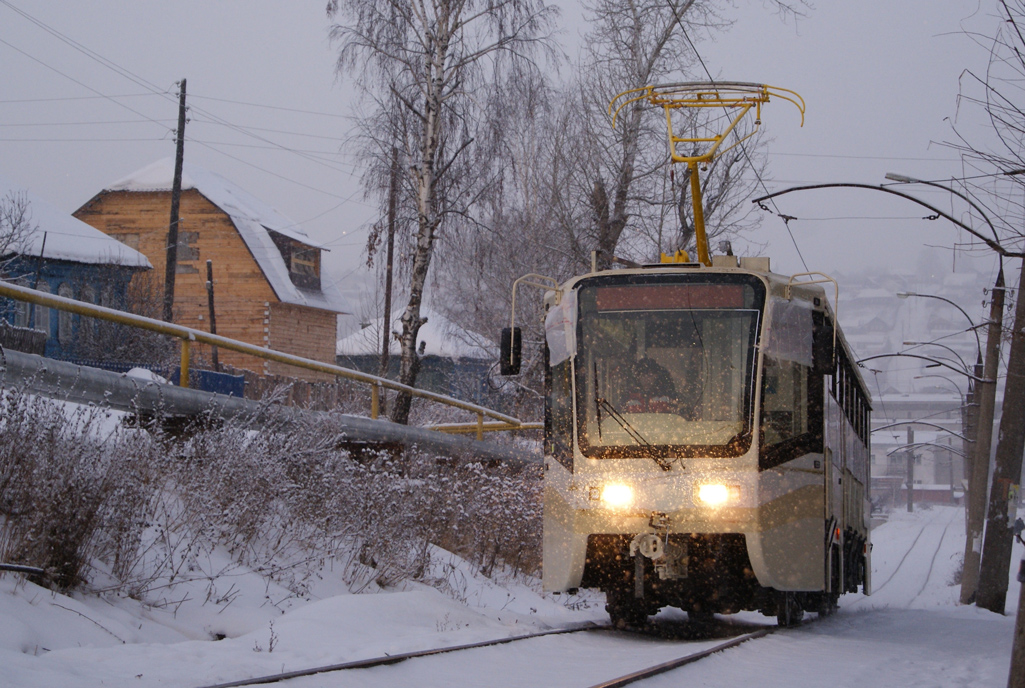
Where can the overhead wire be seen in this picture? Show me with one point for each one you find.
(74, 80)
(144, 83)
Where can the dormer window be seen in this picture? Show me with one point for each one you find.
(302, 260)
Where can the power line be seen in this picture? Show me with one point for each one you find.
(65, 98)
(77, 124)
(272, 131)
(73, 79)
(140, 81)
(270, 107)
(89, 140)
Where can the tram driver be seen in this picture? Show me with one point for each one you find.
(654, 391)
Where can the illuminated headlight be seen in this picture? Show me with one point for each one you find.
(617, 495)
(717, 495)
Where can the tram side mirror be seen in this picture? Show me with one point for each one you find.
(822, 343)
(510, 351)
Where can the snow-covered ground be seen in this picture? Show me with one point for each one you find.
(910, 633)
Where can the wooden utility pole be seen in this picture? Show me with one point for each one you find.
(996, 547)
(213, 314)
(393, 192)
(986, 393)
(176, 193)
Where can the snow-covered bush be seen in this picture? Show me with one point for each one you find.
(137, 512)
(69, 492)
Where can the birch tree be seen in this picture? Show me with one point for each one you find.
(438, 59)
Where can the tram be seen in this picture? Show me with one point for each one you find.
(706, 443)
(706, 434)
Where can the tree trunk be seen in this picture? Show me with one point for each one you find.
(427, 224)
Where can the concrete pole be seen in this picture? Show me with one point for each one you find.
(996, 547)
(911, 470)
(978, 481)
(1016, 679)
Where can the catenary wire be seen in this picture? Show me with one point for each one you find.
(743, 148)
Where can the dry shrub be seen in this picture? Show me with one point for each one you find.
(67, 493)
(289, 502)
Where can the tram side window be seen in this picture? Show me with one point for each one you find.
(784, 400)
(559, 413)
(792, 411)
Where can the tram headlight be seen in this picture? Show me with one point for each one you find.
(617, 495)
(717, 494)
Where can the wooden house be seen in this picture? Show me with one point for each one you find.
(55, 253)
(453, 360)
(267, 272)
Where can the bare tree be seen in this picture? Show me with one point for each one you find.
(624, 172)
(993, 178)
(438, 59)
(15, 227)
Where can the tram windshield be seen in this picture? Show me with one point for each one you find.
(665, 370)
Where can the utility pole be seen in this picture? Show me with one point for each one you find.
(176, 193)
(1016, 679)
(911, 470)
(986, 393)
(393, 192)
(213, 314)
(996, 547)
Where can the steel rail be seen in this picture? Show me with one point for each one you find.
(392, 659)
(681, 661)
(188, 335)
(395, 659)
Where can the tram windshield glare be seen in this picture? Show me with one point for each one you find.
(666, 370)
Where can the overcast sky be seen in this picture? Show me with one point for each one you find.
(880, 79)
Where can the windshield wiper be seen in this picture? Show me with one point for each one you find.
(602, 402)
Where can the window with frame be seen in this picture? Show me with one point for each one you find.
(41, 314)
(65, 319)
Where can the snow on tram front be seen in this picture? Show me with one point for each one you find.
(706, 442)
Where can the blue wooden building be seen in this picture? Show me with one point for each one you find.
(51, 251)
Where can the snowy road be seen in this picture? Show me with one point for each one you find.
(911, 632)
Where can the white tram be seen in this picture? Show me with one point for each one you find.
(706, 442)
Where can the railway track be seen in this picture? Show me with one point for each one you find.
(930, 535)
(699, 642)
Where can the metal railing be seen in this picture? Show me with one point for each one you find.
(187, 335)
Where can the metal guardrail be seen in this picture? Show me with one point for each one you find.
(187, 335)
(106, 389)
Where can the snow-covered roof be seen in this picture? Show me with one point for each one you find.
(439, 335)
(253, 219)
(67, 238)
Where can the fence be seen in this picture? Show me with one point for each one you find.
(188, 335)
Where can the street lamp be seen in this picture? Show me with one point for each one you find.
(905, 179)
(957, 355)
(942, 377)
(974, 328)
(985, 392)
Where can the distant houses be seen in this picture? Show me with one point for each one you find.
(268, 279)
(53, 252)
(453, 360)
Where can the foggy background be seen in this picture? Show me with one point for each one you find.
(268, 112)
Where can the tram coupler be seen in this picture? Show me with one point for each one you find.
(670, 559)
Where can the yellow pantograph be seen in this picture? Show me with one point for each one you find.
(736, 98)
